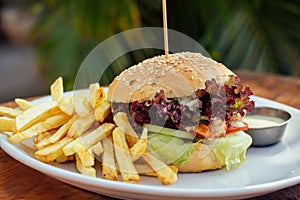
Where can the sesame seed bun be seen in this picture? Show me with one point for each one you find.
(178, 75)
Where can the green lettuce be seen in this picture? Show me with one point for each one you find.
(170, 149)
(230, 150)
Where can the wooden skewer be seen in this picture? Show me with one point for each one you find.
(166, 45)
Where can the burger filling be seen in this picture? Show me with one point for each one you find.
(211, 112)
(212, 115)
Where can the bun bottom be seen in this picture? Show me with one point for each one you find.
(202, 159)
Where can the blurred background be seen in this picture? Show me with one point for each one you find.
(41, 40)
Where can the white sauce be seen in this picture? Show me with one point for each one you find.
(262, 121)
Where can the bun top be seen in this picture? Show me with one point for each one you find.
(179, 75)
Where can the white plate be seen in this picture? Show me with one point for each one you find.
(265, 170)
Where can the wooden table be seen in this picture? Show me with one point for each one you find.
(18, 181)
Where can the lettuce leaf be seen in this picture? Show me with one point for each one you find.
(231, 149)
(170, 149)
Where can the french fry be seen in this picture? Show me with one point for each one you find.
(174, 168)
(81, 104)
(91, 138)
(23, 104)
(9, 112)
(42, 136)
(93, 94)
(56, 121)
(88, 171)
(63, 159)
(102, 111)
(122, 122)
(86, 157)
(80, 125)
(7, 124)
(72, 128)
(69, 148)
(96, 135)
(28, 133)
(42, 144)
(61, 132)
(53, 151)
(66, 105)
(126, 167)
(97, 148)
(57, 89)
(163, 172)
(145, 170)
(109, 170)
(36, 114)
(140, 147)
(50, 123)
(97, 95)
(42, 140)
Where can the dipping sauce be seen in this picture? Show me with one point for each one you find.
(266, 125)
(262, 121)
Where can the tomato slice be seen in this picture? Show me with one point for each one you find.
(202, 130)
(232, 129)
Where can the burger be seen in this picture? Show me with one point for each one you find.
(192, 106)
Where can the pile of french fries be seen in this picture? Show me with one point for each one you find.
(75, 128)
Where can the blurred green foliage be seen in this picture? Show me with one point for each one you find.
(258, 35)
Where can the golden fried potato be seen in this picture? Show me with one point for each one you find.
(109, 169)
(81, 104)
(57, 89)
(50, 123)
(7, 124)
(80, 125)
(97, 148)
(126, 167)
(66, 105)
(122, 122)
(86, 170)
(102, 111)
(164, 173)
(91, 138)
(9, 112)
(140, 147)
(53, 151)
(36, 114)
(23, 104)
